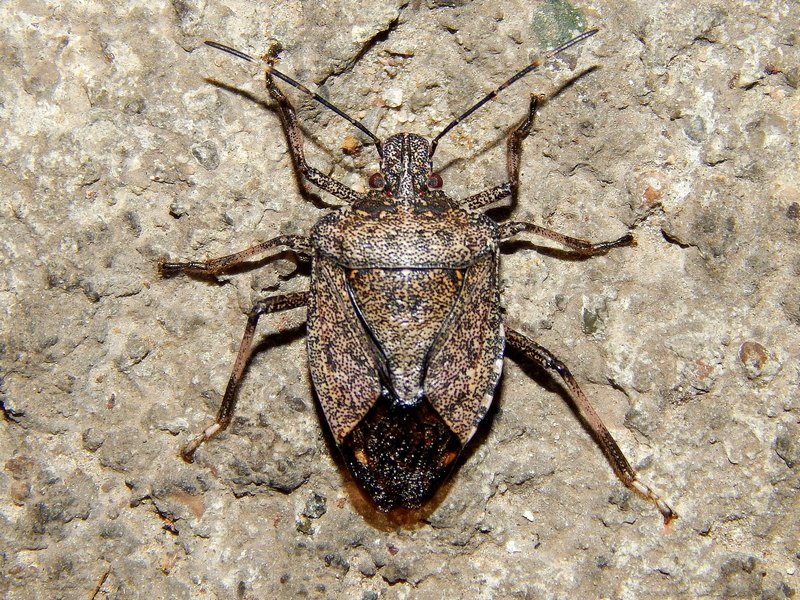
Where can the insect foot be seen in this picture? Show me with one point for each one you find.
(405, 331)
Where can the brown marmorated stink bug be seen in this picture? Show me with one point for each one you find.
(405, 332)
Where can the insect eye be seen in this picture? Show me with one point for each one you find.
(376, 181)
(434, 181)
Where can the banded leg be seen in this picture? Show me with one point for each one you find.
(513, 154)
(295, 139)
(226, 409)
(215, 266)
(545, 359)
(512, 228)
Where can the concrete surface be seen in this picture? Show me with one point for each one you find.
(119, 149)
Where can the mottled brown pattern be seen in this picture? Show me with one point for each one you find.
(343, 359)
(461, 370)
(378, 235)
(404, 310)
(405, 336)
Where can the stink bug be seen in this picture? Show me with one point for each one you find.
(405, 331)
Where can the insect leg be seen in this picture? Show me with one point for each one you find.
(215, 266)
(225, 414)
(295, 139)
(487, 197)
(510, 229)
(514, 148)
(550, 363)
(513, 153)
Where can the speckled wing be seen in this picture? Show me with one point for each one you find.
(467, 358)
(342, 358)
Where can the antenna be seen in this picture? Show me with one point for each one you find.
(531, 67)
(273, 71)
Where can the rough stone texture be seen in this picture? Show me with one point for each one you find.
(118, 148)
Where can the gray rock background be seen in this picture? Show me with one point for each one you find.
(117, 150)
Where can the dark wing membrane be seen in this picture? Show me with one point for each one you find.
(400, 454)
(341, 356)
(467, 358)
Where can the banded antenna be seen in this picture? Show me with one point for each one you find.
(270, 68)
(491, 95)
